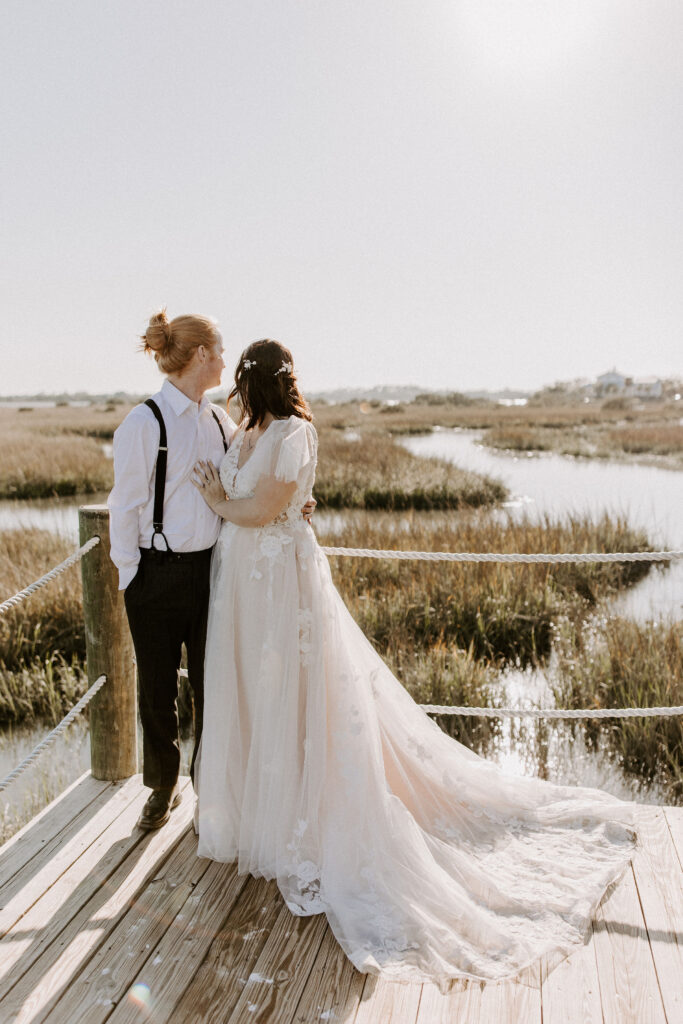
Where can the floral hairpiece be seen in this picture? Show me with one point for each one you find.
(285, 368)
(248, 363)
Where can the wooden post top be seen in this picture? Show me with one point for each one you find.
(93, 510)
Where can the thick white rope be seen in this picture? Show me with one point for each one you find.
(481, 556)
(52, 736)
(449, 709)
(538, 713)
(11, 602)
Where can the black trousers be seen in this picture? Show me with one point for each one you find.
(167, 605)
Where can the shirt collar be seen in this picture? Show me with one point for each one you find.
(179, 402)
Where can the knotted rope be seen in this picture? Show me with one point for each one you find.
(16, 599)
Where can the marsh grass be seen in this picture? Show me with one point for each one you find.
(51, 619)
(451, 677)
(664, 440)
(44, 689)
(610, 429)
(484, 415)
(498, 614)
(657, 440)
(59, 452)
(377, 473)
(614, 662)
(44, 467)
(504, 613)
(55, 452)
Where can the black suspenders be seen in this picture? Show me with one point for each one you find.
(220, 427)
(160, 473)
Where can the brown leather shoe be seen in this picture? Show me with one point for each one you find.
(157, 810)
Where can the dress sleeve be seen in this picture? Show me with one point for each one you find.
(294, 447)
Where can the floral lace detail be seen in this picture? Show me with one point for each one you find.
(304, 897)
(305, 617)
(391, 936)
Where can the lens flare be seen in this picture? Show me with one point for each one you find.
(140, 996)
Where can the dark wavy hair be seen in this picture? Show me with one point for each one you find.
(265, 383)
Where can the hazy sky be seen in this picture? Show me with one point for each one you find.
(453, 193)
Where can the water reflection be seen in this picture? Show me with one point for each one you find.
(58, 515)
(546, 484)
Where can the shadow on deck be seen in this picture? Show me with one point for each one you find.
(101, 922)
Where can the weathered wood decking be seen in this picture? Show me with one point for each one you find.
(100, 922)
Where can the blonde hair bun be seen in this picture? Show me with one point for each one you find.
(173, 342)
(158, 334)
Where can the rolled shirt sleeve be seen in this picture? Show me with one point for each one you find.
(136, 443)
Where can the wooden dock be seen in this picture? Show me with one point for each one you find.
(101, 922)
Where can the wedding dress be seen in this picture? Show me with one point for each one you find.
(317, 769)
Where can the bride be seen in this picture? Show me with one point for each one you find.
(317, 769)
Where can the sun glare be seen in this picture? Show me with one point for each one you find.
(528, 37)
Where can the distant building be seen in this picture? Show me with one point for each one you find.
(611, 382)
(615, 383)
(646, 387)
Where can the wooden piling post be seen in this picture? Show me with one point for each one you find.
(109, 650)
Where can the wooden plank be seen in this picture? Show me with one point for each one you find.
(173, 962)
(390, 1002)
(216, 987)
(509, 1002)
(55, 971)
(674, 818)
(461, 1001)
(58, 854)
(45, 826)
(629, 991)
(33, 933)
(570, 992)
(334, 987)
(106, 976)
(274, 988)
(478, 1002)
(658, 879)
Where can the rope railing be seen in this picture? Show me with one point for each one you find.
(539, 713)
(488, 556)
(549, 713)
(427, 556)
(52, 736)
(16, 599)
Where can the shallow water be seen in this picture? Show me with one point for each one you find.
(58, 515)
(547, 484)
(65, 761)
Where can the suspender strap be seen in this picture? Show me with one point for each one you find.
(160, 475)
(220, 427)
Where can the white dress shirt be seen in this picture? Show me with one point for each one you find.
(189, 523)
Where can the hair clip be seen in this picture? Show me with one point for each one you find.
(248, 363)
(285, 368)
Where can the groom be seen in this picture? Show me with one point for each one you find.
(162, 535)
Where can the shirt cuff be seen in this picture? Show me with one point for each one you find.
(127, 575)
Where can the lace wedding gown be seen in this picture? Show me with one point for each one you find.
(317, 769)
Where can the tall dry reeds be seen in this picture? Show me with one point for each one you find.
(45, 467)
(504, 612)
(615, 662)
(58, 451)
(51, 619)
(376, 473)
